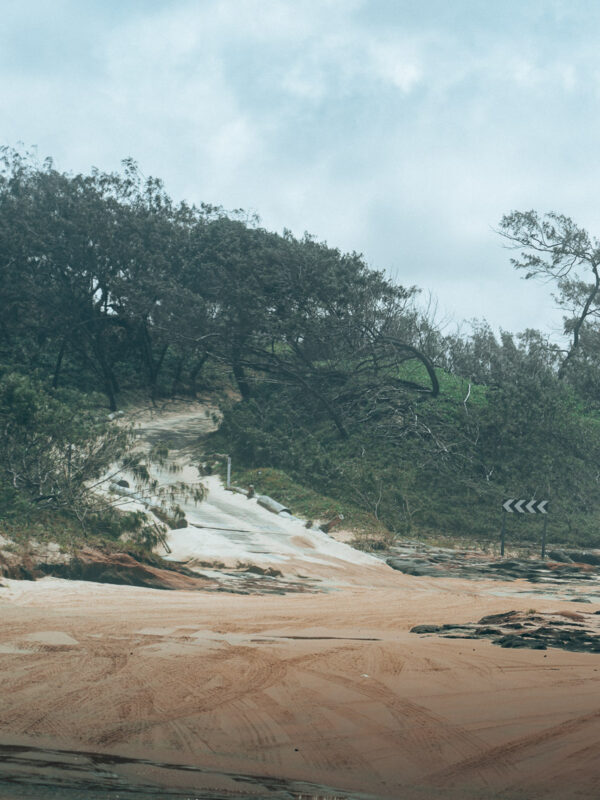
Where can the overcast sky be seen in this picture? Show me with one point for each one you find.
(402, 129)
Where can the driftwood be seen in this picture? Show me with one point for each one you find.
(271, 505)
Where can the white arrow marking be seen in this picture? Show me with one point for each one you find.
(507, 505)
(530, 507)
(542, 506)
(519, 506)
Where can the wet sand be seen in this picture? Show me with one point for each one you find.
(329, 689)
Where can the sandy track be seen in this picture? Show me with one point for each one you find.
(231, 529)
(328, 688)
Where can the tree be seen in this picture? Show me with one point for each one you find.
(99, 277)
(301, 314)
(54, 447)
(554, 247)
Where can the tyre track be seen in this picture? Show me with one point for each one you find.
(515, 750)
(426, 736)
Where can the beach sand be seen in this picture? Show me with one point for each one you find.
(327, 688)
(318, 692)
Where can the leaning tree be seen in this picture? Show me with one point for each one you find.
(554, 248)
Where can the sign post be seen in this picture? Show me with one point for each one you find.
(524, 507)
(544, 537)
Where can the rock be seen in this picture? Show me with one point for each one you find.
(498, 619)
(584, 557)
(425, 629)
(92, 564)
(416, 567)
(512, 640)
(415, 558)
(270, 572)
(537, 631)
(174, 522)
(560, 556)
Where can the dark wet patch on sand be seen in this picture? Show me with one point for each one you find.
(50, 774)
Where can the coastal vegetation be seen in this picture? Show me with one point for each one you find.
(344, 389)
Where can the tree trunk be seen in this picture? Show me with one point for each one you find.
(153, 366)
(176, 382)
(195, 372)
(240, 378)
(239, 374)
(579, 324)
(435, 385)
(58, 364)
(111, 387)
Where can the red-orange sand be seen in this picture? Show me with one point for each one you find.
(356, 702)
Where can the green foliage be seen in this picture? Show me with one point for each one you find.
(104, 530)
(95, 280)
(309, 503)
(442, 466)
(56, 452)
(52, 444)
(109, 286)
(555, 249)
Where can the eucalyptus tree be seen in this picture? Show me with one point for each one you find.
(554, 248)
(92, 275)
(300, 315)
(54, 231)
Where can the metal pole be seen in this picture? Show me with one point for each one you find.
(503, 533)
(228, 471)
(544, 537)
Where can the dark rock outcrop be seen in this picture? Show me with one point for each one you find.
(536, 631)
(561, 567)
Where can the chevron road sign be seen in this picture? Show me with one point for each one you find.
(525, 506)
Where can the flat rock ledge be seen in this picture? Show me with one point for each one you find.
(566, 630)
(444, 563)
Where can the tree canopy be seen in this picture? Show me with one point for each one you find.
(109, 286)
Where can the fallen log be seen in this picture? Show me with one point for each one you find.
(271, 505)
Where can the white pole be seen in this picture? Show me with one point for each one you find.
(228, 471)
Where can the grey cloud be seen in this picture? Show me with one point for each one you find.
(403, 130)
